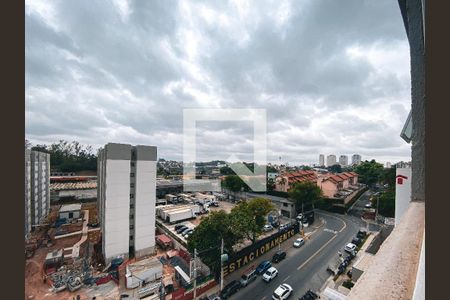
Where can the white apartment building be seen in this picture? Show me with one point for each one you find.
(331, 160)
(356, 159)
(37, 188)
(321, 160)
(343, 160)
(126, 197)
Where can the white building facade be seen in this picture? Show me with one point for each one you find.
(343, 160)
(321, 160)
(37, 188)
(126, 196)
(331, 160)
(356, 159)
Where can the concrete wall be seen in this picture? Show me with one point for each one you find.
(402, 193)
(126, 198)
(145, 207)
(328, 188)
(27, 193)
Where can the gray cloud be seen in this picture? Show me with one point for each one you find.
(332, 75)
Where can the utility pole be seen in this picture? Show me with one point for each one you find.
(301, 222)
(195, 274)
(376, 214)
(221, 267)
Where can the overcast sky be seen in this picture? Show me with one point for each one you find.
(333, 76)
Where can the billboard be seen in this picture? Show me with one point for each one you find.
(250, 253)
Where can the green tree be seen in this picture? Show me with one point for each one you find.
(386, 206)
(249, 217)
(208, 235)
(335, 168)
(270, 184)
(69, 156)
(306, 193)
(370, 172)
(388, 177)
(234, 183)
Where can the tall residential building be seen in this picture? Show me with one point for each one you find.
(321, 160)
(388, 165)
(343, 160)
(126, 196)
(37, 188)
(331, 160)
(356, 159)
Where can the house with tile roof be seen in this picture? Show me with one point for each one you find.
(284, 182)
(332, 184)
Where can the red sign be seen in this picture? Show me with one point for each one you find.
(400, 179)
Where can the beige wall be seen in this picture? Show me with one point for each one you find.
(328, 188)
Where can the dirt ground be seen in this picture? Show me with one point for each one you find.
(35, 288)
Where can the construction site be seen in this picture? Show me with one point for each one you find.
(64, 261)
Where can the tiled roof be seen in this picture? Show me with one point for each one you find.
(58, 186)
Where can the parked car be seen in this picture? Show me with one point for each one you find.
(267, 227)
(215, 204)
(368, 205)
(248, 277)
(230, 289)
(178, 226)
(279, 256)
(282, 292)
(270, 274)
(309, 295)
(93, 225)
(299, 242)
(357, 241)
(283, 227)
(361, 234)
(185, 231)
(181, 229)
(350, 247)
(263, 266)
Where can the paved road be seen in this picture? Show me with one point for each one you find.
(305, 268)
(358, 208)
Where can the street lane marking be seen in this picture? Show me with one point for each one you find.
(263, 298)
(330, 230)
(317, 252)
(342, 220)
(286, 278)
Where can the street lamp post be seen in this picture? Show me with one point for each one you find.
(195, 274)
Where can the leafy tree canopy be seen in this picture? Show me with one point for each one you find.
(68, 156)
(370, 172)
(306, 193)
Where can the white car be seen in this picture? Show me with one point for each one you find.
(282, 292)
(267, 227)
(350, 247)
(270, 274)
(368, 205)
(299, 242)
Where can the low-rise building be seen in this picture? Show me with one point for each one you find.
(284, 182)
(76, 190)
(332, 184)
(70, 212)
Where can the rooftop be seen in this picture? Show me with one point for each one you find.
(70, 207)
